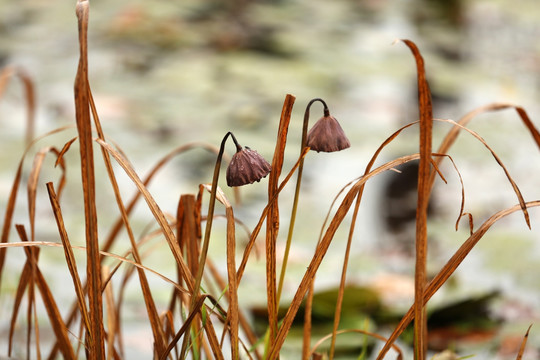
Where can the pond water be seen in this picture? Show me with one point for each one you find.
(166, 73)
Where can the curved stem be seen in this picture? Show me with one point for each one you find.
(238, 146)
(297, 194)
(208, 229)
(210, 215)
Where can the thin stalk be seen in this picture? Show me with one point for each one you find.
(208, 229)
(232, 313)
(297, 194)
(341, 292)
(272, 219)
(425, 140)
(95, 339)
(306, 339)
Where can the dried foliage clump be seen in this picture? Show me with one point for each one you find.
(204, 317)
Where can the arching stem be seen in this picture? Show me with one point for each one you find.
(208, 229)
(297, 194)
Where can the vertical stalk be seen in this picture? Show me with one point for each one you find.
(307, 324)
(296, 194)
(341, 292)
(208, 229)
(426, 125)
(96, 347)
(272, 220)
(232, 313)
(210, 215)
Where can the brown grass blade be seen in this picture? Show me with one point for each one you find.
(156, 211)
(232, 313)
(8, 217)
(452, 135)
(112, 316)
(188, 230)
(64, 150)
(214, 194)
(33, 184)
(360, 331)
(306, 333)
(169, 236)
(103, 253)
(185, 326)
(257, 229)
(244, 323)
(115, 229)
(294, 209)
(29, 92)
(5, 75)
(31, 197)
(322, 248)
(10, 207)
(501, 164)
(213, 339)
(70, 257)
(272, 220)
(523, 344)
(157, 330)
(24, 280)
(31, 263)
(449, 268)
(426, 125)
(57, 324)
(84, 128)
(462, 204)
(529, 124)
(341, 290)
(307, 314)
(167, 320)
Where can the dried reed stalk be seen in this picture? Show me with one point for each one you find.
(5, 75)
(113, 328)
(292, 218)
(58, 326)
(321, 250)
(368, 333)
(157, 331)
(523, 344)
(169, 236)
(448, 269)
(70, 257)
(262, 218)
(10, 206)
(272, 220)
(426, 125)
(95, 339)
(232, 312)
(188, 234)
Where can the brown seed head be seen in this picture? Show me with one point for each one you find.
(327, 135)
(246, 167)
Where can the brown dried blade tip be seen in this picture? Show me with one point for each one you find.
(327, 135)
(246, 167)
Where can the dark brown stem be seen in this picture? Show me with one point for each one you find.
(306, 119)
(297, 193)
(208, 229)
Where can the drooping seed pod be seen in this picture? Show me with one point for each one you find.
(246, 167)
(327, 135)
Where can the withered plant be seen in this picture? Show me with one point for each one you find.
(202, 302)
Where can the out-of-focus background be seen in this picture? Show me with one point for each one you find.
(164, 73)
